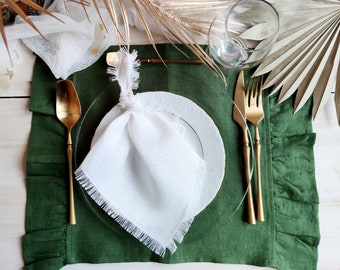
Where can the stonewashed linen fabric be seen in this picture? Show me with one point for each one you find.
(289, 237)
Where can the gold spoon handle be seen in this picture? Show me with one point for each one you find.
(72, 218)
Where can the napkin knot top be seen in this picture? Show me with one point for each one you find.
(127, 75)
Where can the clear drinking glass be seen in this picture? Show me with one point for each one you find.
(243, 35)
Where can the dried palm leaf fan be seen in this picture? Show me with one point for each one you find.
(306, 57)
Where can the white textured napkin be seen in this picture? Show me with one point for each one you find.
(76, 42)
(142, 170)
(71, 44)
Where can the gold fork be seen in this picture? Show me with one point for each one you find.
(254, 114)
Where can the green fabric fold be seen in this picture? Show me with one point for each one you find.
(295, 201)
(288, 238)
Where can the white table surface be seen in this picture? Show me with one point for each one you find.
(15, 121)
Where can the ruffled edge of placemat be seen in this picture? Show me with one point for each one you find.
(44, 244)
(294, 201)
(53, 256)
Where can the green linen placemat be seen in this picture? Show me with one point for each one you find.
(289, 237)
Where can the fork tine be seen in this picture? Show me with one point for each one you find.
(259, 89)
(247, 96)
(251, 94)
(255, 90)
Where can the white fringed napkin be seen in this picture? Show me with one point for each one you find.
(142, 170)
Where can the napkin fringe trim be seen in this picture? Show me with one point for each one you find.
(127, 225)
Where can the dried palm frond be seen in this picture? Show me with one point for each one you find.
(306, 56)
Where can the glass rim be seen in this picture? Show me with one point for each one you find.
(277, 16)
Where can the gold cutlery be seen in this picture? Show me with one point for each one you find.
(68, 111)
(254, 114)
(239, 117)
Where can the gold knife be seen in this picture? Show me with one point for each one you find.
(239, 118)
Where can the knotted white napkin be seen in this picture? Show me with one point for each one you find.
(141, 168)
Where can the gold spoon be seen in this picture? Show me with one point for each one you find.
(68, 112)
